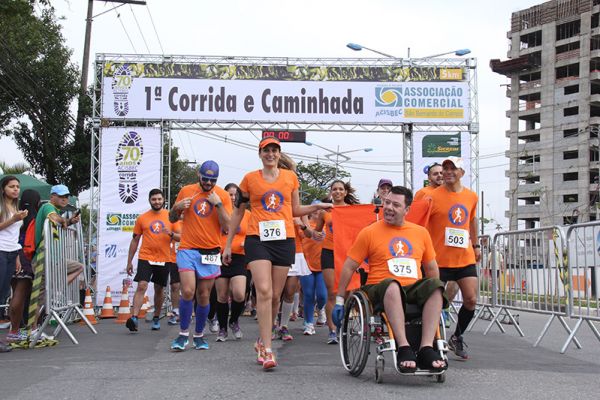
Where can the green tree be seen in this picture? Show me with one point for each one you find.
(18, 168)
(182, 173)
(315, 179)
(38, 84)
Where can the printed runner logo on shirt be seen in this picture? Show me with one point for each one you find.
(400, 247)
(458, 214)
(272, 201)
(203, 208)
(157, 227)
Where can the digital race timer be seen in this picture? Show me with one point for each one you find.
(286, 136)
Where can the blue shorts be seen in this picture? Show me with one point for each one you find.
(191, 260)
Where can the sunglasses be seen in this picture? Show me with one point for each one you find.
(211, 180)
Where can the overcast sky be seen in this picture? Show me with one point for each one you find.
(314, 29)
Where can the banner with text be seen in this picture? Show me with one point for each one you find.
(430, 148)
(132, 92)
(129, 169)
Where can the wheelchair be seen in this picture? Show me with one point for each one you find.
(360, 327)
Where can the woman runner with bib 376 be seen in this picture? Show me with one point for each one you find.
(270, 249)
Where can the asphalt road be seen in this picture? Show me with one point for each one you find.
(118, 365)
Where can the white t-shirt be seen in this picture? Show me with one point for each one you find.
(9, 237)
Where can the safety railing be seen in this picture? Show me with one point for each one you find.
(485, 290)
(63, 254)
(530, 274)
(583, 247)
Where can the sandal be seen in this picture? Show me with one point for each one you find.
(406, 353)
(426, 357)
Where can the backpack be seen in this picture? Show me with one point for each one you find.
(29, 241)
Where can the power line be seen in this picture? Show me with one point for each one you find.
(125, 30)
(155, 31)
(139, 28)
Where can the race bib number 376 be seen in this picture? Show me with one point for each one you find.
(272, 230)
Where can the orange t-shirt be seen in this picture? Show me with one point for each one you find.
(156, 243)
(381, 242)
(176, 227)
(237, 245)
(451, 210)
(423, 192)
(270, 201)
(299, 237)
(200, 227)
(312, 251)
(328, 228)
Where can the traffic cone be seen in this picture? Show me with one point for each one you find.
(107, 306)
(88, 309)
(124, 310)
(144, 308)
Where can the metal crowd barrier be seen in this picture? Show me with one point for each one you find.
(533, 277)
(61, 298)
(583, 241)
(484, 291)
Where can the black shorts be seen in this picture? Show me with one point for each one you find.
(417, 293)
(237, 267)
(173, 272)
(26, 271)
(327, 259)
(157, 274)
(456, 274)
(279, 252)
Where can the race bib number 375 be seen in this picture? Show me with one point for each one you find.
(272, 230)
(403, 267)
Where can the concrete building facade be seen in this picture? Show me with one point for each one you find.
(554, 70)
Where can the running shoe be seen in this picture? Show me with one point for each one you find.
(173, 319)
(322, 317)
(457, 345)
(269, 361)
(132, 324)
(237, 332)
(155, 324)
(309, 329)
(260, 351)
(200, 343)
(222, 336)
(332, 338)
(17, 337)
(275, 334)
(285, 334)
(180, 343)
(213, 325)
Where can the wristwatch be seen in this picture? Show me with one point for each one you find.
(476, 246)
(304, 227)
(218, 205)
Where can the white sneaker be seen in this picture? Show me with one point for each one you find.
(309, 329)
(322, 318)
(213, 325)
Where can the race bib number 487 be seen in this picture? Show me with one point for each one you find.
(211, 259)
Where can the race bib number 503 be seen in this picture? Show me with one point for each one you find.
(457, 238)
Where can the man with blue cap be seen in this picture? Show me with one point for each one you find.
(206, 208)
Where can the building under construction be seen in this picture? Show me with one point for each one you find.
(554, 70)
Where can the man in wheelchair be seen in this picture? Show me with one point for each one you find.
(395, 250)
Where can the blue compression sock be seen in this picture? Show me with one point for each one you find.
(185, 316)
(201, 316)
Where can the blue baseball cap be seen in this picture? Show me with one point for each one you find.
(60, 190)
(209, 169)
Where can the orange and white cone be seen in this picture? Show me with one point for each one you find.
(88, 308)
(124, 309)
(107, 306)
(144, 308)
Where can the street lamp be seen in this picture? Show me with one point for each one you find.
(337, 154)
(358, 47)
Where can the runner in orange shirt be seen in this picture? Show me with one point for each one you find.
(206, 208)
(435, 178)
(313, 285)
(272, 193)
(453, 229)
(233, 278)
(174, 279)
(342, 194)
(396, 249)
(155, 230)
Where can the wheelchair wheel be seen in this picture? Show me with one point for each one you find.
(355, 333)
